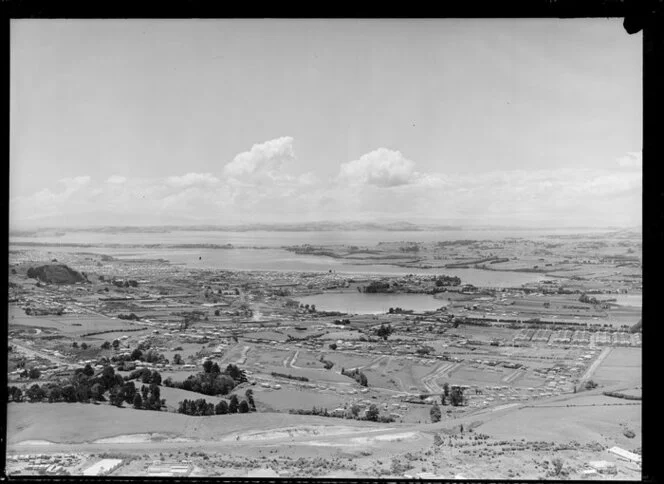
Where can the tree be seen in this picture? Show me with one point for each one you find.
(446, 389)
(116, 344)
(177, 359)
(589, 385)
(372, 413)
(130, 392)
(221, 408)
(117, 396)
(138, 402)
(54, 394)
(106, 345)
(108, 376)
(34, 374)
(84, 346)
(250, 399)
(155, 378)
(236, 374)
(384, 331)
(69, 393)
(355, 410)
(333, 346)
(244, 407)
(15, 394)
(435, 413)
(35, 393)
(456, 397)
(88, 370)
(363, 380)
(136, 354)
(97, 392)
(74, 344)
(207, 366)
(233, 405)
(216, 312)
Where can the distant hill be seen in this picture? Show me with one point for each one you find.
(56, 274)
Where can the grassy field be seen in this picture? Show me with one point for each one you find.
(313, 375)
(175, 395)
(70, 324)
(73, 423)
(292, 398)
(622, 366)
(562, 423)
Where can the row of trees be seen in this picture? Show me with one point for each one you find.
(353, 412)
(201, 407)
(289, 376)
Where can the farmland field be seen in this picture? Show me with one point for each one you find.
(621, 367)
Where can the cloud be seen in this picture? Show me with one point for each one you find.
(262, 159)
(75, 183)
(382, 183)
(381, 168)
(116, 179)
(633, 159)
(192, 179)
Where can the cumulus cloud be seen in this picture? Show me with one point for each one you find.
(262, 159)
(633, 159)
(381, 168)
(116, 179)
(192, 179)
(75, 183)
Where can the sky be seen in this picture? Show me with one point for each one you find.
(531, 122)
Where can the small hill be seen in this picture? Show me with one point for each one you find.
(56, 274)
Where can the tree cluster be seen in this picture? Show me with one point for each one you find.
(85, 386)
(212, 381)
(145, 376)
(376, 287)
(201, 407)
(326, 363)
(384, 331)
(442, 281)
(130, 317)
(357, 375)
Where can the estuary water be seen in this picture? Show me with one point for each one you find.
(272, 257)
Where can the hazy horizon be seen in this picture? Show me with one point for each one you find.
(505, 122)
